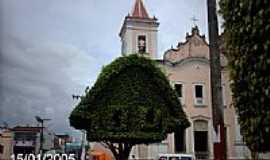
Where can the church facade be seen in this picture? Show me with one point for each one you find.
(188, 69)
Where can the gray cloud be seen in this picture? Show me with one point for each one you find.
(40, 80)
(52, 49)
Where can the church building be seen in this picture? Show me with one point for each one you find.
(187, 67)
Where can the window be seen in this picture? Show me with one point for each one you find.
(199, 91)
(199, 97)
(162, 158)
(174, 158)
(179, 89)
(142, 44)
(1, 149)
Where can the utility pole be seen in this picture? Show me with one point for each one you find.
(83, 154)
(216, 87)
(41, 121)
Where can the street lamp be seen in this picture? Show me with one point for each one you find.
(41, 121)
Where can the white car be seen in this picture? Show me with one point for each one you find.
(175, 157)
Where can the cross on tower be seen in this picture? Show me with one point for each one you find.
(194, 20)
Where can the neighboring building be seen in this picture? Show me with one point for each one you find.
(188, 68)
(74, 148)
(48, 141)
(27, 139)
(6, 144)
(61, 140)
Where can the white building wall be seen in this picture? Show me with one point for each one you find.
(6, 140)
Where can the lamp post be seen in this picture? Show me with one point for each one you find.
(41, 121)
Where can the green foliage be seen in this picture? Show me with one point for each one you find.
(131, 101)
(247, 40)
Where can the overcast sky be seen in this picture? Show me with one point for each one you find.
(51, 49)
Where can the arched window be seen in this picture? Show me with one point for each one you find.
(142, 44)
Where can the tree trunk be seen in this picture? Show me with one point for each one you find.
(120, 150)
(254, 154)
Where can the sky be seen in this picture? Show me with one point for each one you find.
(51, 49)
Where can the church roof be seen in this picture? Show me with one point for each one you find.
(138, 16)
(194, 48)
(139, 10)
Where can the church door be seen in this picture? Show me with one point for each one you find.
(201, 139)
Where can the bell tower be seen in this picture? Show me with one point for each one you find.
(139, 32)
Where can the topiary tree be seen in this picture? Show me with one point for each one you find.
(247, 41)
(131, 103)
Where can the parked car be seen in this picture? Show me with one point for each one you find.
(175, 157)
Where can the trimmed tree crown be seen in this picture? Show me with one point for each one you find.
(131, 101)
(247, 30)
